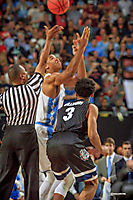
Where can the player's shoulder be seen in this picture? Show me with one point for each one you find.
(93, 107)
(49, 75)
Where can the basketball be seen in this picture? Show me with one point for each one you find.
(58, 7)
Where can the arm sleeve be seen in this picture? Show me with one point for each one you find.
(35, 82)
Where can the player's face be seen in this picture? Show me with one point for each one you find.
(127, 150)
(111, 148)
(54, 63)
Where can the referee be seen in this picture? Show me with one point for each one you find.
(19, 145)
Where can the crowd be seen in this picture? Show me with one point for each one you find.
(23, 37)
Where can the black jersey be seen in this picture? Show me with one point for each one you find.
(72, 117)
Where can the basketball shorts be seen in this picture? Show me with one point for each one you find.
(67, 152)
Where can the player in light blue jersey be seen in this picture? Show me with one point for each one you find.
(52, 96)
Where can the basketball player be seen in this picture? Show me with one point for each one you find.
(51, 98)
(66, 150)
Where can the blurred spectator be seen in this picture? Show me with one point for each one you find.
(109, 75)
(105, 107)
(104, 23)
(122, 28)
(34, 49)
(67, 51)
(103, 44)
(70, 95)
(113, 61)
(116, 91)
(92, 13)
(4, 32)
(15, 52)
(74, 15)
(99, 99)
(22, 10)
(108, 78)
(9, 42)
(125, 6)
(30, 70)
(70, 30)
(41, 38)
(33, 12)
(3, 83)
(114, 14)
(45, 21)
(130, 28)
(40, 16)
(95, 73)
(109, 4)
(104, 64)
(93, 47)
(58, 44)
(8, 14)
(61, 20)
(119, 150)
(120, 110)
(122, 51)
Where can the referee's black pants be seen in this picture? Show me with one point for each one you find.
(19, 147)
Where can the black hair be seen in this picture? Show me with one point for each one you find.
(85, 87)
(14, 72)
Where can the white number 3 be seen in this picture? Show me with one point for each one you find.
(69, 112)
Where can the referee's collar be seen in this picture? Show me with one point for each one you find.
(17, 85)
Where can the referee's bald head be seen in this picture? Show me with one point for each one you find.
(15, 71)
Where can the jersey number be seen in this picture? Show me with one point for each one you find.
(69, 112)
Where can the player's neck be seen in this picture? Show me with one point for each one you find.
(79, 98)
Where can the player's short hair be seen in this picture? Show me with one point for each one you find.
(109, 140)
(85, 87)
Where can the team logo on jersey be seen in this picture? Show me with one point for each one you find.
(84, 155)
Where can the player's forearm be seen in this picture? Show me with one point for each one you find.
(43, 57)
(95, 141)
(74, 63)
(45, 52)
(81, 69)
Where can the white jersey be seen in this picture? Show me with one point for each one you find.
(47, 110)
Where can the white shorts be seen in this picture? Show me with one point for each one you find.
(44, 163)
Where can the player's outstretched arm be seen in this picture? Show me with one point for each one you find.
(92, 130)
(45, 52)
(74, 63)
(81, 72)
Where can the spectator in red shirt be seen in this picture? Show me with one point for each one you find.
(92, 13)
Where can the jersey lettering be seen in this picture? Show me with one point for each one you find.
(69, 112)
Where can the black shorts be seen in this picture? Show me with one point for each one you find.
(67, 152)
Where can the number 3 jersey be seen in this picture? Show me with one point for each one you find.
(72, 117)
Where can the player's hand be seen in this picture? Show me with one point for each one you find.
(76, 196)
(104, 151)
(93, 152)
(50, 33)
(84, 38)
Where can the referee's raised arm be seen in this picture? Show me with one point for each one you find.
(19, 144)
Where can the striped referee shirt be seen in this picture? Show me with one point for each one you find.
(20, 101)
